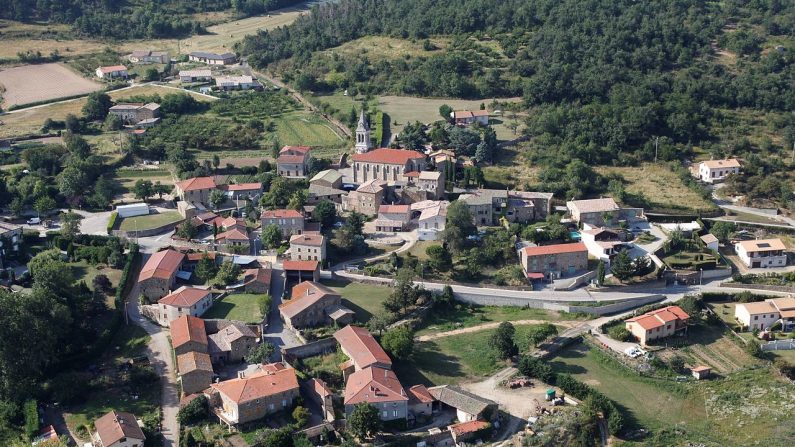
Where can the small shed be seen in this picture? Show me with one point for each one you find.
(133, 209)
(550, 394)
(701, 372)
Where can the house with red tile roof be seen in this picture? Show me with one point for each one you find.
(272, 388)
(290, 222)
(658, 324)
(467, 117)
(159, 273)
(465, 431)
(118, 429)
(308, 247)
(113, 71)
(257, 280)
(380, 388)
(183, 301)
(188, 333)
(387, 165)
(293, 162)
(393, 217)
(420, 400)
(196, 189)
(239, 191)
(362, 350)
(554, 261)
(302, 270)
(234, 240)
(313, 304)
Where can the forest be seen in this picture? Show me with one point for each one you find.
(603, 81)
(132, 20)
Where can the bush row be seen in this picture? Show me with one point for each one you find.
(112, 221)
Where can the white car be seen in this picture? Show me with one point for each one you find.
(634, 352)
(34, 221)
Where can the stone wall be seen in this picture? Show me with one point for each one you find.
(312, 349)
(771, 288)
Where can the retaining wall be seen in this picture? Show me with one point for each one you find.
(314, 348)
(616, 307)
(148, 232)
(771, 288)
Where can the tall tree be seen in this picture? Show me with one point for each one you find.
(622, 267)
(272, 236)
(70, 225)
(502, 340)
(217, 198)
(97, 106)
(458, 226)
(143, 189)
(325, 213)
(364, 421)
(399, 342)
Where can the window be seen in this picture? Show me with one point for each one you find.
(394, 413)
(386, 413)
(756, 317)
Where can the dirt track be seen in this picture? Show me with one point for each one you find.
(483, 327)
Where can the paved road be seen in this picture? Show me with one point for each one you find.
(159, 353)
(276, 333)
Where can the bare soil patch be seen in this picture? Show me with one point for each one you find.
(32, 83)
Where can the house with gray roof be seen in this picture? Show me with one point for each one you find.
(468, 406)
(231, 342)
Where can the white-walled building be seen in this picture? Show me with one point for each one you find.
(183, 301)
(717, 170)
(762, 253)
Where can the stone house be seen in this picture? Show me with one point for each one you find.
(257, 280)
(366, 199)
(312, 304)
(393, 217)
(112, 72)
(118, 429)
(301, 270)
(420, 400)
(554, 261)
(183, 301)
(362, 350)
(432, 182)
(159, 273)
(329, 178)
(230, 341)
(380, 388)
(196, 190)
(195, 372)
(488, 206)
(149, 57)
(432, 218)
(294, 162)
(387, 165)
(251, 397)
(188, 334)
(308, 247)
(601, 212)
(134, 113)
(290, 222)
(234, 239)
(195, 75)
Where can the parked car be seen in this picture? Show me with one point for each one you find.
(34, 221)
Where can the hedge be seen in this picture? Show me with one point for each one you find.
(112, 221)
(378, 135)
(31, 411)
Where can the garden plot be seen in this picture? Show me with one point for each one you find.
(33, 83)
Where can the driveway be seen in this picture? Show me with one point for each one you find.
(159, 353)
(276, 333)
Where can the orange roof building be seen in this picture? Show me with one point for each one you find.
(554, 261)
(188, 333)
(273, 388)
(159, 273)
(381, 388)
(313, 304)
(186, 300)
(116, 428)
(362, 348)
(657, 324)
(388, 165)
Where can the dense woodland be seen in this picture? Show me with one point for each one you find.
(133, 19)
(601, 79)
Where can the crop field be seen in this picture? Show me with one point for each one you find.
(660, 186)
(29, 121)
(32, 83)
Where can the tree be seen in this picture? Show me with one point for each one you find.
(151, 74)
(482, 153)
(754, 349)
(404, 293)
(502, 340)
(143, 189)
(458, 226)
(260, 353)
(445, 111)
(44, 204)
(186, 230)
(264, 303)
(622, 267)
(216, 161)
(723, 230)
(399, 342)
(439, 259)
(227, 273)
(325, 213)
(378, 322)
(642, 265)
(71, 182)
(464, 141)
(217, 198)
(194, 411)
(160, 189)
(205, 269)
(101, 282)
(539, 333)
(297, 200)
(70, 225)
(113, 122)
(300, 416)
(364, 421)
(600, 273)
(72, 123)
(97, 106)
(272, 236)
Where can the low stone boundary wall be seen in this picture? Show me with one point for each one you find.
(311, 349)
(770, 288)
(148, 232)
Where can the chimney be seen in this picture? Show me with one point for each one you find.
(241, 374)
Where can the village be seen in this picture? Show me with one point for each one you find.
(215, 246)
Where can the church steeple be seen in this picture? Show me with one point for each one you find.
(363, 143)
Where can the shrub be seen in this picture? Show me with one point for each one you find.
(620, 333)
(754, 349)
(264, 302)
(112, 221)
(31, 412)
(195, 411)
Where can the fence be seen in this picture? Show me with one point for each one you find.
(779, 345)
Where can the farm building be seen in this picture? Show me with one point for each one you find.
(195, 75)
(149, 57)
(235, 82)
(133, 209)
(134, 113)
(115, 71)
(212, 58)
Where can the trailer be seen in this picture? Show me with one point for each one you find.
(134, 209)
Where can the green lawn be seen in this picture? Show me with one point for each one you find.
(454, 359)
(716, 412)
(150, 221)
(237, 306)
(364, 299)
(467, 316)
(303, 128)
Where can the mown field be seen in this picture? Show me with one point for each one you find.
(42, 82)
(742, 409)
(150, 221)
(364, 299)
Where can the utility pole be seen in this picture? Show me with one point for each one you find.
(656, 144)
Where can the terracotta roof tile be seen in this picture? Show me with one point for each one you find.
(281, 214)
(728, 163)
(465, 428)
(194, 361)
(658, 318)
(762, 245)
(421, 394)
(162, 265)
(259, 385)
(362, 347)
(197, 183)
(555, 249)
(186, 329)
(312, 240)
(184, 297)
(304, 296)
(233, 235)
(304, 266)
(114, 426)
(389, 209)
(388, 156)
(373, 385)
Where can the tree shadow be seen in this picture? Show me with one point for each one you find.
(428, 359)
(362, 315)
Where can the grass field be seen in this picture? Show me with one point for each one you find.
(741, 409)
(453, 359)
(384, 47)
(661, 187)
(364, 299)
(32, 83)
(303, 128)
(29, 121)
(150, 221)
(237, 306)
(462, 317)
